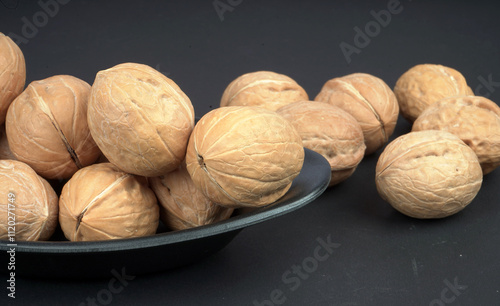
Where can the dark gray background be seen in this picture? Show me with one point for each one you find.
(384, 258)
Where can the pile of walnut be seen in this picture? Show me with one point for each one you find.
(130, 154)
(437, 169)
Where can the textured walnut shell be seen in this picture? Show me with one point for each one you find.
(368, 99)
(140, 119)
(266, 89)
(329, 131)
(475, 120)
(182, 204)
(12, 73)
(5, 152)
(425, 84)
(101, 202)
(244, 156)
(33, 204)
(428, 174)
(47, 127)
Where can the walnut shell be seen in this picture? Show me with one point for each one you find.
(28, 201)
(244, 156)
(368, 99)
(266, 89)
(101, 202)
(182, 205)
(47, 127)
(140, 119)
(475, 120)
(428, 174)
(329, 131)
(425, 84)
(12, 73)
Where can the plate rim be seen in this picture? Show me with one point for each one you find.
(238, 222)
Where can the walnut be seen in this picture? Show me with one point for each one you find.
(244, 156)
(425, 84)
(329, 131)
(101, 202)
(28, 208)
(182, 204)
(428, 174)
(140, 119)
(475, 120)
(47, 127)
(368, 99)
(266, 89)
(12, 73)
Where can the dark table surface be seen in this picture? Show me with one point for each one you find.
(380, 257)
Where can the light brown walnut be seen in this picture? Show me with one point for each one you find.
(244, 156)
(182, 204)
(368, 99)
(47, 127)
(28, 208)
(101, 202)
(425, 84)
(475, 120)
(428, 174)
(12, 73)
(140, 119)
(266, 89)
(329, 131)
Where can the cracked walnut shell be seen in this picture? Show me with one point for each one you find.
(29, 209)
(368, 99)
(329, 131)
(244, 156)
(47, 127)
(425, 84)
(140, 119)
(428, 174)
(266, 89)
(101, 202)
(12, 73)
(475, 120)
(182, 204)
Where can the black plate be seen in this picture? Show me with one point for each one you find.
(64, 259)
